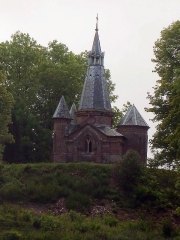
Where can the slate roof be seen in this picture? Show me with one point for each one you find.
(72, 113)
(109, 131)
(62, 110)
(133, 117)
(96, 47)
(73, 127)
(95, 94)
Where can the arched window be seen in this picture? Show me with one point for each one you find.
(88, 145)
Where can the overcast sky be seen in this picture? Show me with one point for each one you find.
(127, 31)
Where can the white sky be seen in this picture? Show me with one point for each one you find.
(127, 30)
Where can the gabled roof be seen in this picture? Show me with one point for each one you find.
(133, 117)
(72, 113)
(95, 95)
(62, 110)
(109, 131)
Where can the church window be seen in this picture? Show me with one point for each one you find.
(88, 145)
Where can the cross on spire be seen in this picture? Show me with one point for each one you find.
(96, 22)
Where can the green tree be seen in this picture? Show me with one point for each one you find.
(166, 97)
(6, 103)
(19, 59)
(37, 77)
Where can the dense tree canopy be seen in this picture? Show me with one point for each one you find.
(166, 97)
(6, 101)
(37, 77)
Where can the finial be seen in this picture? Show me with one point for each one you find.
(97, 23)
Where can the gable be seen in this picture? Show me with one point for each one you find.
(84, 131)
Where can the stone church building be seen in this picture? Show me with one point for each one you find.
(86, 134)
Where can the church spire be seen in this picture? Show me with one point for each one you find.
(95, 94)
(96, 23)
(96, 56)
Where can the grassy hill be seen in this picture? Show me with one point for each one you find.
(88, 201)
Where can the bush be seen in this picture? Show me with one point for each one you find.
(168, 229)
(12, 235)
(78, 201)
(37, 223)
(145, 195)
(43, 193)
(129, 171)
(12, 191)
(111, 221)
(177, 212)
(26, 216)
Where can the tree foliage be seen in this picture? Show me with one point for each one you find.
(37, 77)
(166, 97)
(6, 102)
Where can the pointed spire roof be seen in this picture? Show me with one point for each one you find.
(133, 117)
(62, 110)
(72, 113)
(95, 95)
(96, 47)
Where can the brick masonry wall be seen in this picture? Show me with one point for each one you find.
(59, 140)
(137, 139)
(94, 118)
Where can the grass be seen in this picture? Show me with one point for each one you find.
(46, 183)
(17, 223)
(154, 201)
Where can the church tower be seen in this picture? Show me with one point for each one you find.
(135, 129)
(95, 106)
(62, 119)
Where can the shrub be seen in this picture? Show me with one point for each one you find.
(145, 195)
(177, 212)
(111, 221)
(37, 223)
(1, 174)
(11, 191)
(129, 171)
(12, 235)
(73, 215)
(78, 201)
(168, 229)
(26, 216)
(42, 193)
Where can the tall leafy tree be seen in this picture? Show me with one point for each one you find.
(6, 103)
(19, 60)
(166, 97)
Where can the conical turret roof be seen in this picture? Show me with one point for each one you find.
(95, 94)
(62, 110)
(133, 117)
(72, 113)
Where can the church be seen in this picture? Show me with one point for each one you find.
(86, 134)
